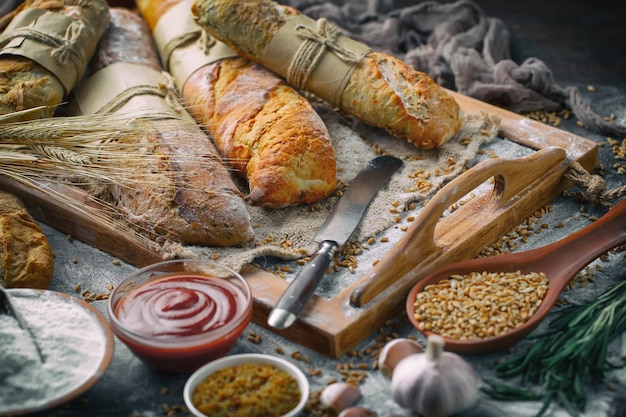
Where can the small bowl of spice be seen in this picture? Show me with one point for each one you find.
(179, 315)
(247, 385)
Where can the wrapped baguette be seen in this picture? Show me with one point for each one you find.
(179, 189)
(263, 128)
(44, 52)
(379, 89)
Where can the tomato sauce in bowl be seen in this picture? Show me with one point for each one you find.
(178, 315)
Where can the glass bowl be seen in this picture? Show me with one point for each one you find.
(178, 315)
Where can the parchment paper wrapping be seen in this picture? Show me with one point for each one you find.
(124, 87)
(355, 145)
(57, 42)
(327, 74)
(185, 47)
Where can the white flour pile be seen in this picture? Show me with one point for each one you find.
(71, 341)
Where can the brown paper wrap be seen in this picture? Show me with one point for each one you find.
(55, 41)
(185, 47)
(314, 56)
(380, 89)
(128, 88)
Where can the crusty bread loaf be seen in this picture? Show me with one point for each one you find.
(26, 83)
(381, 90)
(263, 128)
(179, 189)
(26, 259)
(270, 133)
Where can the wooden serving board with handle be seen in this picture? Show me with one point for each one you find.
(517, 189)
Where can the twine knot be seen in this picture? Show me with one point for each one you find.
(165, 90)
(594, 185)
(206, 42)
(170, 93)
(315, 44)
(64, 51)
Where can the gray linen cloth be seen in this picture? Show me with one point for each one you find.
(462, 49)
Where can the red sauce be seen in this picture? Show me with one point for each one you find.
(180, 305)
(171, 312)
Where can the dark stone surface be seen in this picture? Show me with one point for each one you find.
(584, 43)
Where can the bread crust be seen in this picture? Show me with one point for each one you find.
(25, 83)
(189, 196)
(382, 91)
(26, 259)
(265, 130)
(407, 103)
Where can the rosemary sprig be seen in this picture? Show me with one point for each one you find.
(562, 359)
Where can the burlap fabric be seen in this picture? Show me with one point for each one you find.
(289, 233)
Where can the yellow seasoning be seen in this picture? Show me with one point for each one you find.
(248, 390)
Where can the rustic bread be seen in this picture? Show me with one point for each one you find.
(380, 89)
(26, 83)
(264, 129)
(271, 134)
(26, 259)
(179, 188)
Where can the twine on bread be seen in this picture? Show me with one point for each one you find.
(313, 48)
(174, 44)
(594, 185)
(167, 91)
(67, 48)
(204, 41)
(59, 42)
(64, 47)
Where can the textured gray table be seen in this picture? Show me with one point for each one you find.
(584, 44)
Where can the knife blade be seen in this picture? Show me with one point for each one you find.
(337, 228)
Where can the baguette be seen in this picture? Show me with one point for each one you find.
(180, 190)
(41, 73)
(26, 259)
(378, 88)
(265, 130)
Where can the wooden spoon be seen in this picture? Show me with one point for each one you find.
(560, 261)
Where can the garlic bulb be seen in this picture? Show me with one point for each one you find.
(434, 383)
(393, 352)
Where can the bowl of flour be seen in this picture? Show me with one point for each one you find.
(75, 341)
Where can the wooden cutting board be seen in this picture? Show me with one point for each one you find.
(334, 326)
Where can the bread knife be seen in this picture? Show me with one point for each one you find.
(341, 222)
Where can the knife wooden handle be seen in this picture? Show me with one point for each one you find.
(302, 287)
